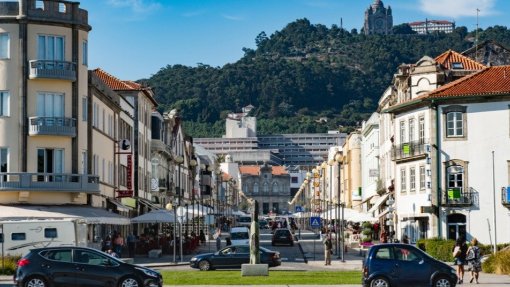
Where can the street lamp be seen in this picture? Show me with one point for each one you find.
(218, 186)
(390, 202)
(192, 164)
(170, 206)
(340, 204)
(179, 160)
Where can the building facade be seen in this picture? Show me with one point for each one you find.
(430, 26)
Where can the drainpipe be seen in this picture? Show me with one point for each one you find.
(438, 169)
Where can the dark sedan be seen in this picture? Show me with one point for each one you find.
(282, 236)
(232, 257)
(80, 267)
(398, 265)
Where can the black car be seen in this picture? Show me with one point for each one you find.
(394, 264)
(232, 257)
(282, 236)
(80, 266)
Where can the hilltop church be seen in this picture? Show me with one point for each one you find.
(378, 19)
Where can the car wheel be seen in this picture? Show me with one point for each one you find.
(204, 265)
(442, 281)
(129, 282)
(379, 282)
(35, 281)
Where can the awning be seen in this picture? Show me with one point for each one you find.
(368, 198)
(147, 203)
(91, 215)
(379, 202)
(119, 205)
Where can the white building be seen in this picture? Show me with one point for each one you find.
(429, 26)
(370, 160)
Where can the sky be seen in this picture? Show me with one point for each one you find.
(134, 39)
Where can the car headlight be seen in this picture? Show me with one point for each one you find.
(194, 259)
(148, 272)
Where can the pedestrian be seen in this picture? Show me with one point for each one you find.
(328, 246)
(118, 244)
(131, 242)
(405, 239)
(107, 243)
(474, 260)
(217, 237)
(459, 255)
(228, 241)
(384, 236)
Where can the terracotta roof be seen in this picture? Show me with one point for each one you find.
(114, 83)
(255, 170)
(489, 81)
(449, 57)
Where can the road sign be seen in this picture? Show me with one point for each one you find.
(299, 208)
(315, 222)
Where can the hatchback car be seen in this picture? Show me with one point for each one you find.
(395, 265)
(80, 266)
(233, 257)
(282, 236)
(240, 235)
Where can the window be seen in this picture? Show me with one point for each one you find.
(383, 253)
(84, 109)
(422, 177)
(85, 48)
(275, 187)
(457, 66)
(61, 7)
(421, 129)
(455, 174)
(50, 161)
(84, 162)
(4, 103)
(50, 233)
(454, 124)
(1, 238)
(50, 105)
(39, 4)
(4, 164)
(50, 47)
(402, 132)
(266, 187)
(19, 236)
(411, 130)
(255, 187)
(412, 178)
(405, 254)
(403, 180)
(5, 52)
(63, 255)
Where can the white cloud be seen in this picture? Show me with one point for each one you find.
(457, 8)
(137, 6)
(232, 17)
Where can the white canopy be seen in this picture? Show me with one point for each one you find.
(155, 216)
(349, 215)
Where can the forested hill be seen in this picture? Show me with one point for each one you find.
(301, 74)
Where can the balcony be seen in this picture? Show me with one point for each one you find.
(410, 151)
(505, 196)
(160, 146)
(456, 197)
(53, 126)
(54, 182)
(52, 69)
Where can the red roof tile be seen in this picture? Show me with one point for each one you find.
(449, 57)
(255, 170)
(489, 81)
(116, 84)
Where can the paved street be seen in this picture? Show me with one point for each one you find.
(307, 254)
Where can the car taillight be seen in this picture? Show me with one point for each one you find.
(23, 262)
(365, 271)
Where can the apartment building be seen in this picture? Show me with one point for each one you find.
(429, 26)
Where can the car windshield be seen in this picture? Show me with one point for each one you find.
(239, 235)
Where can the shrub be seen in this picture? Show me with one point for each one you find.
(367, 225)
(366, 239)
(9, 265)
(438, 248)
(498, 263)
(366, 232)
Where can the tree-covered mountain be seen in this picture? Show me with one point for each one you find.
(301, 74)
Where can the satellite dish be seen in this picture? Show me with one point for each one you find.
(124, 144)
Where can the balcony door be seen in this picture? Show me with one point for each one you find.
(50, 47)
(51, 107)
(456, 226)
(50, 161)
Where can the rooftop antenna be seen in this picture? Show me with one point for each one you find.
(476, 35)
(341, 23)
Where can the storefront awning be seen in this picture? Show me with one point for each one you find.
(119, 205)
(147, 203)
(91, 215)
(378, 203)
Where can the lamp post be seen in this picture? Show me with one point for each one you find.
(193, 164)
(340, 206)
(390, 202)
(170, 207)
(179, 160)
(218, 187)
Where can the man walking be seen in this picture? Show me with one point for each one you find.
(328, 246)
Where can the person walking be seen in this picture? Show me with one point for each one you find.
(131, 242)
(328, 246)
(459, 254)
(217, 237)
(118, 244)
(474, 260)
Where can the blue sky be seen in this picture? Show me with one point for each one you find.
(134, 39)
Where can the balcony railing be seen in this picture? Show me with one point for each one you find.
(52, 126)
(505, 196)
(456, 197)
(409, 150)
(54, 182)
(160, 146)
(51, 69)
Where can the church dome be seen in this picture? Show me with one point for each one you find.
(378, 4)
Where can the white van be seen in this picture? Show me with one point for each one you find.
(240, 236)
(17, 237)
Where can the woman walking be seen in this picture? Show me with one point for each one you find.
(459, 254)
(473, 259)
(328, 246)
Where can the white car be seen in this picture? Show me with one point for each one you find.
(240, 236)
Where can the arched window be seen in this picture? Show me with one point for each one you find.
(275, 187)
(266, 187)
(255, 187)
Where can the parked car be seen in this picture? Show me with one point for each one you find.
(67, 266)
(239, 235)
(232, 257)
(244, 221)
(282, 236)
(263, 224)
(396, 264)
